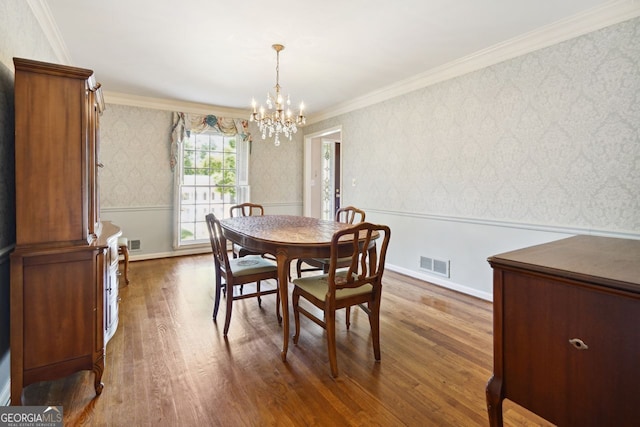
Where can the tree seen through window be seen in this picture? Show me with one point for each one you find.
(208, 182)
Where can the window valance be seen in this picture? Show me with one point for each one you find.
(185, 123)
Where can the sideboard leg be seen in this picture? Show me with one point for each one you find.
(494, 401)
(98, 368)
(16, 392)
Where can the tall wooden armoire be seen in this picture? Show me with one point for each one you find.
(63, 284)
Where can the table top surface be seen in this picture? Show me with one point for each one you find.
(286, 229)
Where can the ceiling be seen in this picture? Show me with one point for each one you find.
(219, 53)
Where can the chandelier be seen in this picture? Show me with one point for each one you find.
(274, 120)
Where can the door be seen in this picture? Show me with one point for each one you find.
(323, 173)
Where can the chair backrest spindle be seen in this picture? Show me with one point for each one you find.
(218, 241)
(246, 209)
(365, 266)
(348, 215)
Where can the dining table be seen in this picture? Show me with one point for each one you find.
(287, 237)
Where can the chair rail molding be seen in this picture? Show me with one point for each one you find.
(466, 243)
(108, 209)
(511, 224)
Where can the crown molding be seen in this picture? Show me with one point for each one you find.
(173, 105)
(42, 13)
(613, 12)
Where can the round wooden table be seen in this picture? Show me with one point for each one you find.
(286, 237)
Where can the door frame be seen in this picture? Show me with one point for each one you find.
(308, 141)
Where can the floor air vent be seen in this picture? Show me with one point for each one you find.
(134, 245)
(435, 266)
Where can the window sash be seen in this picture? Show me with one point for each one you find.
(201, 192)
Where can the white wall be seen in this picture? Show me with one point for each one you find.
(526, 151)
(530, 150)
(466, 244)
(137, 183)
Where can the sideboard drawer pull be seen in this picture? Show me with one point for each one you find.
(578, 343)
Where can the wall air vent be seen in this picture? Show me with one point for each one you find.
(435, 266)
(134, 245)
(426, 263)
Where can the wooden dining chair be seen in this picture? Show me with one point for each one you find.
(348, 215)
(360, 284)
(237, 272)
(244, 209)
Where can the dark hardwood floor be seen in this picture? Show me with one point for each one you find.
(169, 365)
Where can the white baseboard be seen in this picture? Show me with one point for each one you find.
(427, 278)
(158, 255)
(441, 282)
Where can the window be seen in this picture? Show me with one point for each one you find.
(328, 181)
(211, 177)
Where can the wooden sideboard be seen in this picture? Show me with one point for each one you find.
(63, 289)
(567, 332)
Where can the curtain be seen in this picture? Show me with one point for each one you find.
(185, 123)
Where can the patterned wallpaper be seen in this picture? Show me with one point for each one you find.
(276, 172)
(548, 138)
(21, 35)
(135, 152)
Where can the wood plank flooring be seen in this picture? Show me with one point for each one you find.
(169, 365)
